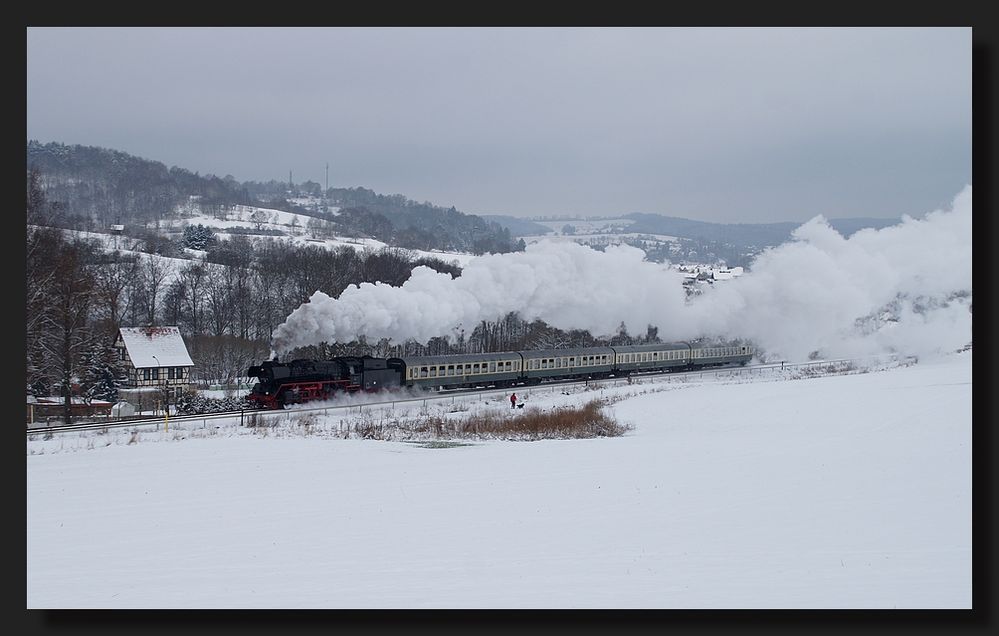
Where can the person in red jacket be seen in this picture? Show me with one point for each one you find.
(513, 400)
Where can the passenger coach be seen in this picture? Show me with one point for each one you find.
(567, 363)
(656, 357)
(714, 356)
(464, 370)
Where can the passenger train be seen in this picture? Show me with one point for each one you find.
(280, 384)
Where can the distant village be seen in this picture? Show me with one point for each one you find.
(696, 276)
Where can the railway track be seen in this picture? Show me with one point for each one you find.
(438, 396)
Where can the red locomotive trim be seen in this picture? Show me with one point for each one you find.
(299, 392)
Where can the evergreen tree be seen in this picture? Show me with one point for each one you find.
(102, 374)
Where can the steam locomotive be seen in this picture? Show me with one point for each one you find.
(281, 384)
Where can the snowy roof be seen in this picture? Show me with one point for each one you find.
(156, 347)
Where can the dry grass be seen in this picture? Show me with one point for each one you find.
(586, 421)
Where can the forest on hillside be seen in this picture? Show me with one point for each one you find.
(95, 188)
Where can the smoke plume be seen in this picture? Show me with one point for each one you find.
(904, 288)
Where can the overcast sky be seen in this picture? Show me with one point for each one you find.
(717, 124)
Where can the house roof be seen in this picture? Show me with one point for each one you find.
(155, 347)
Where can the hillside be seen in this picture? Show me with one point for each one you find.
(94, 188)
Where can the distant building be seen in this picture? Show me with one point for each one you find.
(156, 359)
(46, 407)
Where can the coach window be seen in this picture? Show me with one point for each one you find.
(544, 363)
(433, 372)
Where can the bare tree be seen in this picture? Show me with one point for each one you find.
(42, 244)
(194, 277)
(155, 272)
(113, 281)
(66, 333)
(173, 303)
(218, 298)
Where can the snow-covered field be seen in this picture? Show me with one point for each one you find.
(756, 491)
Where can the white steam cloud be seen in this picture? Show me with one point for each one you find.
(565, 284)
(905, 288)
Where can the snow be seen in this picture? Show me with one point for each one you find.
(155, 347)
(293, 229)
(766, 489)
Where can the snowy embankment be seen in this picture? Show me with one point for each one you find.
(849, 491)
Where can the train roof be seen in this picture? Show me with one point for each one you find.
(665, 346)
(458, 358)
(571, 351)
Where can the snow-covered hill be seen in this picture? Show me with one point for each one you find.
(256, 224)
